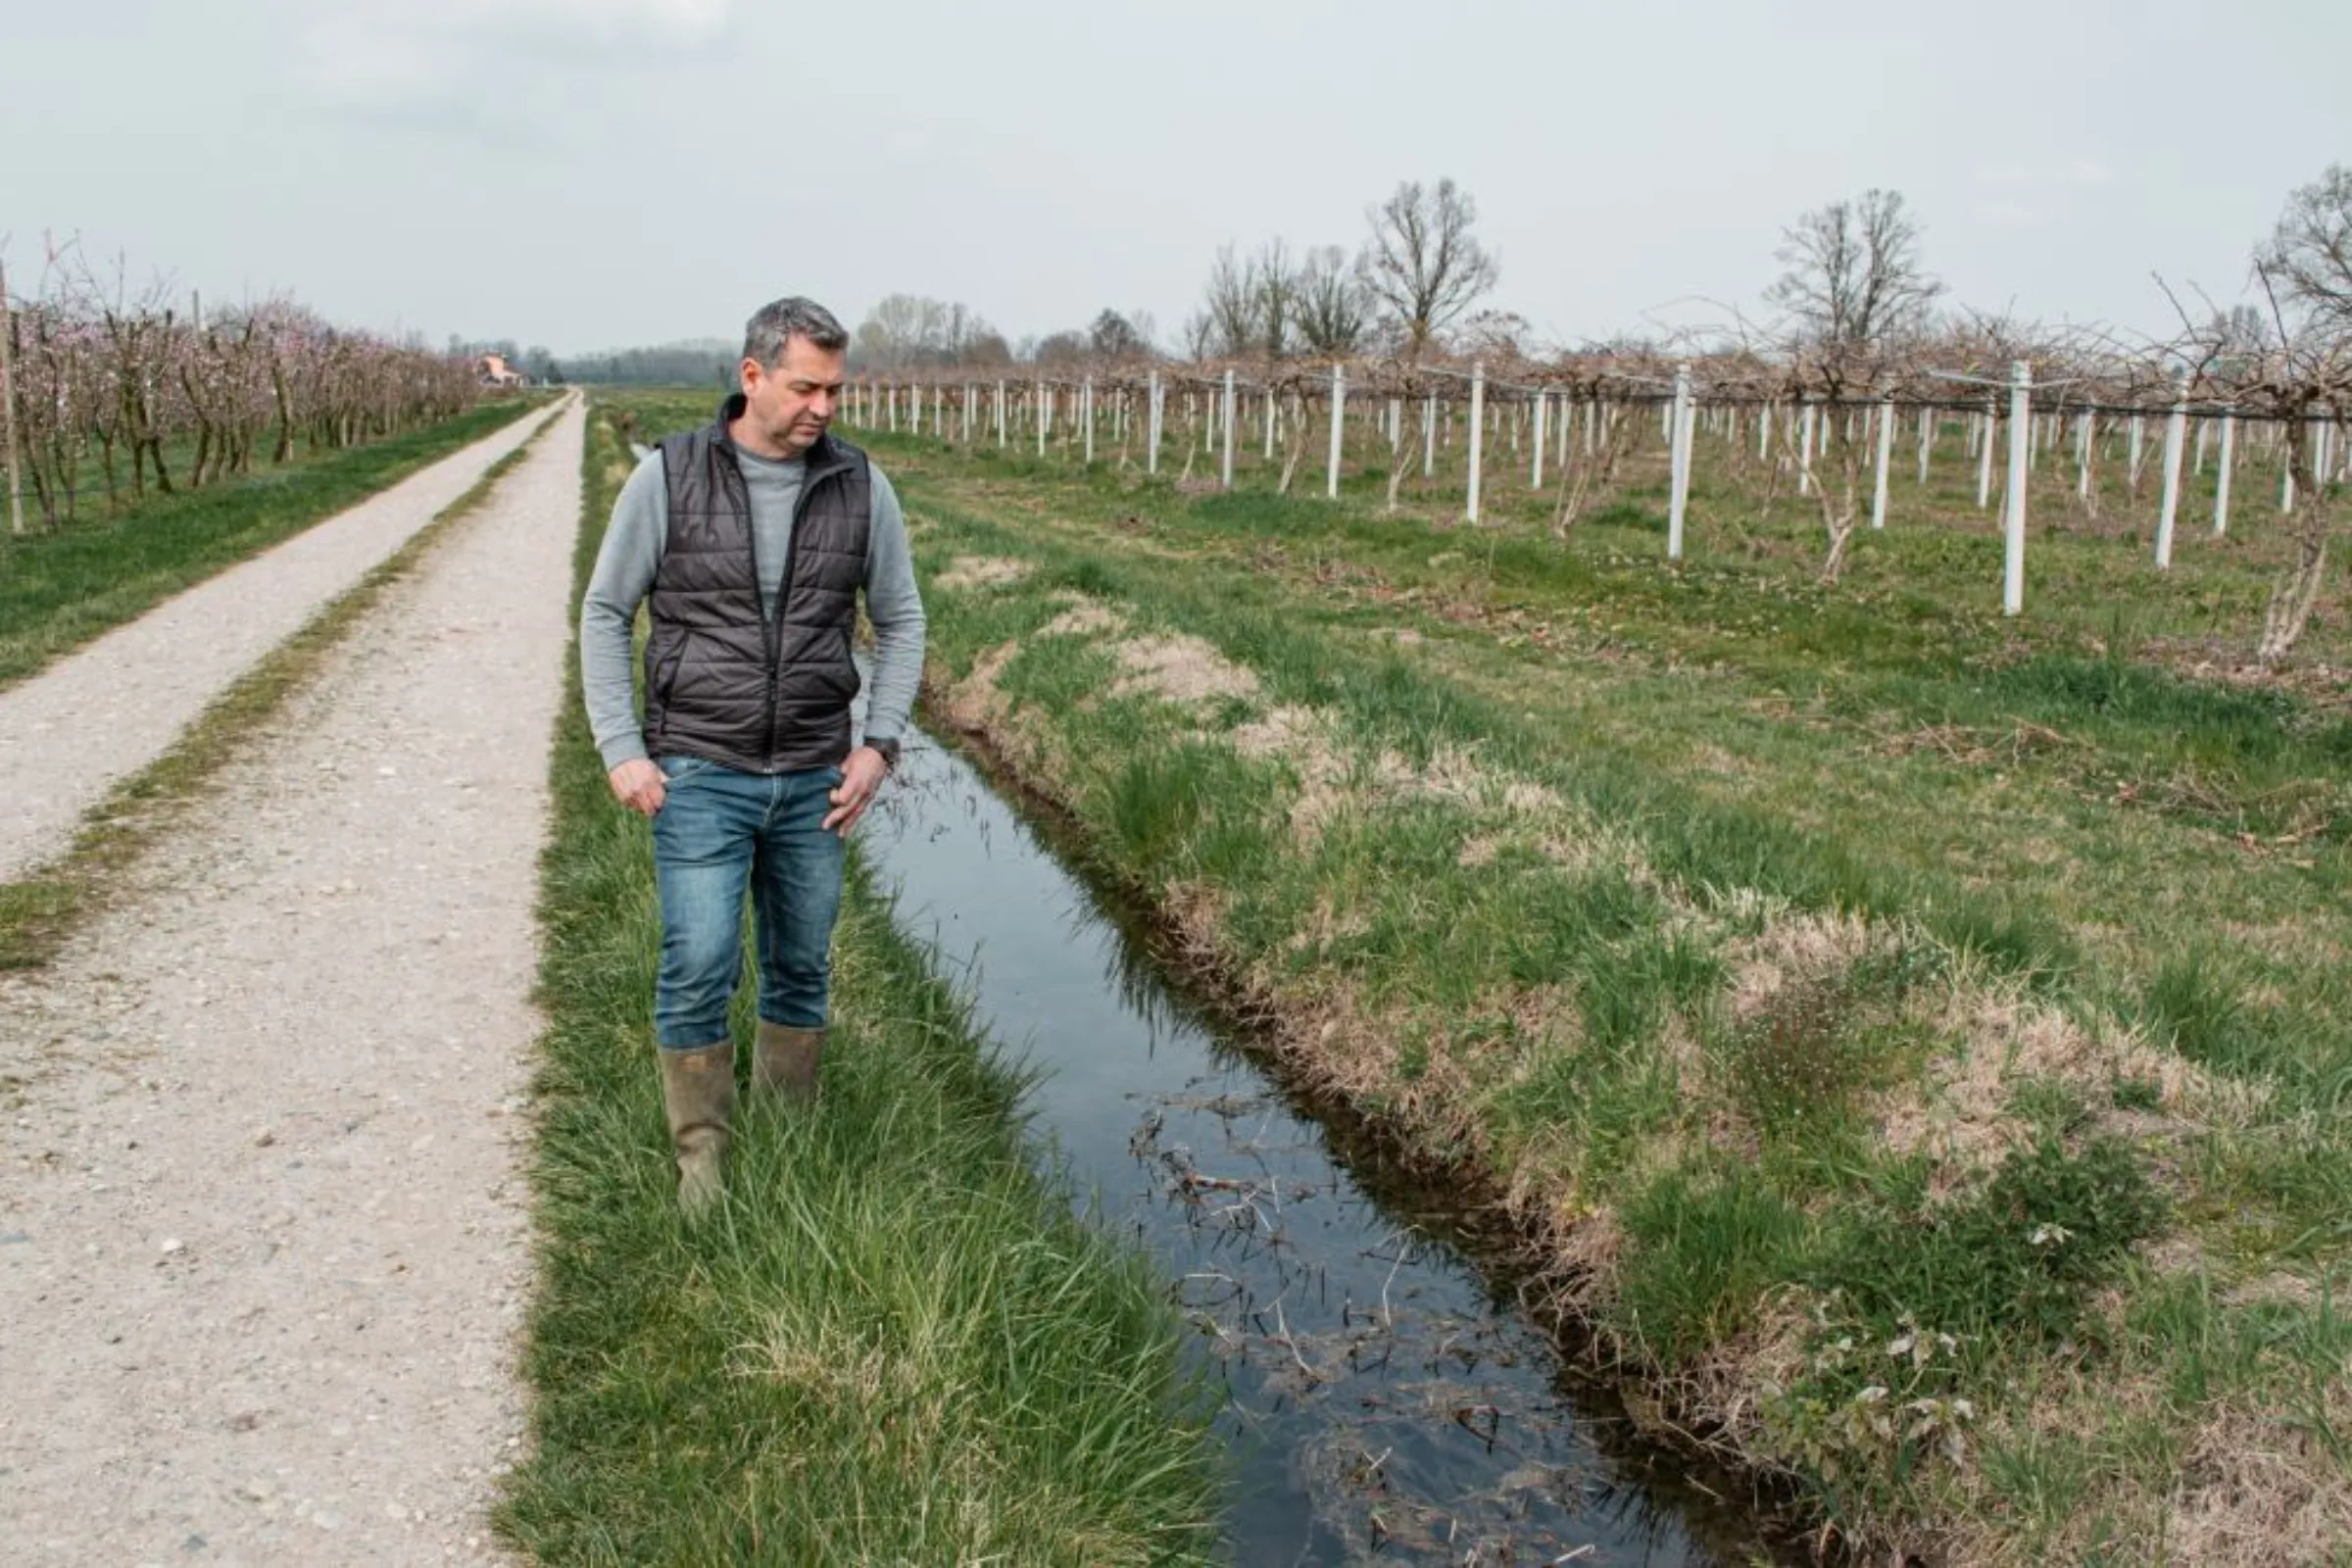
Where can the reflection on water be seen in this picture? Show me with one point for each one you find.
(1382, 1405)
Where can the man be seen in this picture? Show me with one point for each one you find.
(749, 539)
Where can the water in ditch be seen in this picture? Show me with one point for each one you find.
(1382, 1403)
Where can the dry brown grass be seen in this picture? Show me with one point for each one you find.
(2259, 1489)
(1795, 949)
(1085, 617)
(975, 703)
(1182, 668)
(2255, 1487)
(981, 571)
(1994, 1035)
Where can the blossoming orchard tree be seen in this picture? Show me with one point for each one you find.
(124, 384)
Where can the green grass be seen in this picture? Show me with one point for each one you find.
(41, 909)
(59, 589)
(1824, 971)
(895, 1342)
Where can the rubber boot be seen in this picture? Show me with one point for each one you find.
(698, 1088)
(785, 1066)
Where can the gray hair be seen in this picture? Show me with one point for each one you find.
(777, 322)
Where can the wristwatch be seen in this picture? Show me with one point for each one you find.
(887, 747)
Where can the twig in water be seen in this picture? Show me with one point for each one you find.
(1284, 1337)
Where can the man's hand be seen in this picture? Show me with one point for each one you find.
(861, 778)
(638, 784)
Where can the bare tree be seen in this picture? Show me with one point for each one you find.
(1060, 349)
(1200, 334)
(1854, 280)
(1335, 306)
(1422, 263)
(1147, 330)
(906, 331)
(1857, 296)
(1274, 293)
(2307, 262)
(893, 332)
(1253, 305)
(1229, 305)
(1113, 338)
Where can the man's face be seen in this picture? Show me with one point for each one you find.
(789, 406)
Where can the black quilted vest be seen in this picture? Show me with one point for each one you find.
(723, 682)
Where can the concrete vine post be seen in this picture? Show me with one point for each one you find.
(2220, 478)
(1225, 418)
(1878, 498)
(1152, 417)
(2175, 435)
(1678, 461)
(1542, 409)
(1478, 430)
(2013, 508)
(1804, 448)
(1984, 460)
(1428, 435)
(1339, 409)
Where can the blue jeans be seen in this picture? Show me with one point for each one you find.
(719, 830)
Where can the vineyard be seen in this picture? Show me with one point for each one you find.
(2116, 447)
(1854, 399)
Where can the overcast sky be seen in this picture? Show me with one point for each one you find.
(587, 173)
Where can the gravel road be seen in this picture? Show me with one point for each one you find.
(263, 1229)
(72, 732)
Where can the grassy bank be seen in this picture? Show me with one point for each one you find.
(59, 589)
(895, 1345)
(40, 911)
(1913, 1040)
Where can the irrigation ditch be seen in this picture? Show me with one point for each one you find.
(1387, 1394)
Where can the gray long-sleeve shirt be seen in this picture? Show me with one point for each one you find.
(632, 553)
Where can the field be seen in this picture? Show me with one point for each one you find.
(1912, 1038)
